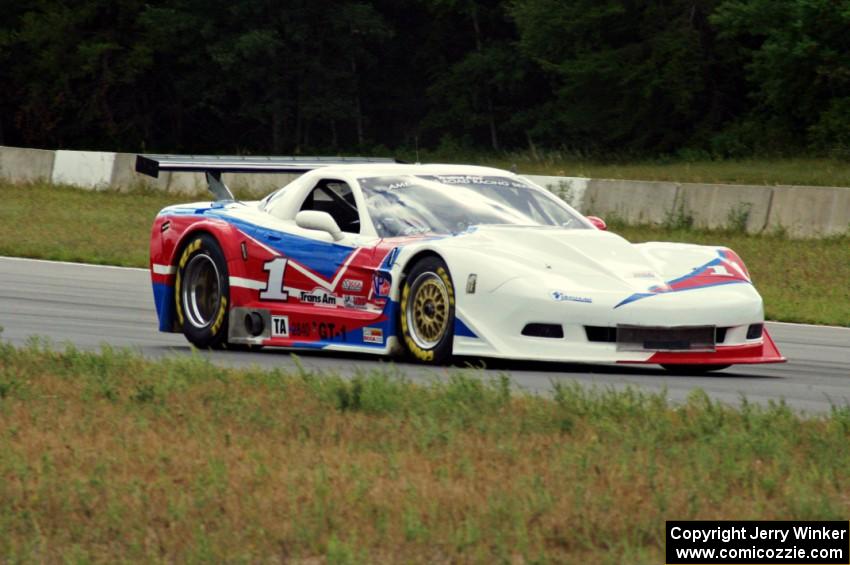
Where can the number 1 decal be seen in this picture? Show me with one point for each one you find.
(274, 287)
(720, 271)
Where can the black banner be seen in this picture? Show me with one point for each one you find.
(814, 543)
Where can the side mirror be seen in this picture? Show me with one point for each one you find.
(321, 221)
(598, 223)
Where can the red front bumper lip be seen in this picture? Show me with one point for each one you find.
(765, 352)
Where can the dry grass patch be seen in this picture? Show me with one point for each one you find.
(68, 224)
(107, 457)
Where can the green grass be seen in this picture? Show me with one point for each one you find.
(68, 224)
(107, 457)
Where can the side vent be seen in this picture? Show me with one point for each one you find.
(601, 334)
(553, 331)
(755, 331)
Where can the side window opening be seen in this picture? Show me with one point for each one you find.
(337, 199)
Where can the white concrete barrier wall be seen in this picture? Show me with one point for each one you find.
(125, 177)
(714, 206)
(570, 189)
(90, 169)
(635, 202)
(810, 211)
(26, 165)
(259, 184)
(799, 211)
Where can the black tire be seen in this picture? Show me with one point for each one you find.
(694, 369)
(428, 311)
(202, 293)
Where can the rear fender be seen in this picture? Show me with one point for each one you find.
(168, 237)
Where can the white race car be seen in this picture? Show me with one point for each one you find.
(435, 261)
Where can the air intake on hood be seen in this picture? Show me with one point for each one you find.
(554, 331)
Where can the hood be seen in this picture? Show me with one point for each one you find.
(591, 259)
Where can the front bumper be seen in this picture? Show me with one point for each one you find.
(496, 321)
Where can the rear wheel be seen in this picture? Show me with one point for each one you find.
(201, 293)
(428, 311)
(694, 369)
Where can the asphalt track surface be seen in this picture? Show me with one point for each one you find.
(89, 305)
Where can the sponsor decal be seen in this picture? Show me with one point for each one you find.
(563, 297)
(300, 329)
(373, 335)
(389, 260)
(644, 275)
(280, 326)
(475, 180)
(165, 225)
(318, 296)
(352, 285)
(324, 331)
(382, 284)
(350, 301)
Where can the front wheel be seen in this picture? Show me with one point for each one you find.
(428, 311)
(201, 293)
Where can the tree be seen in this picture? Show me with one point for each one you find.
(626, 74)
(797, 58)
(253, 76)
(76, 80)
(483, 77)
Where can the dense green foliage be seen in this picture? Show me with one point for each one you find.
(706, 78)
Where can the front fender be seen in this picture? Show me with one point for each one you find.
(462, 263)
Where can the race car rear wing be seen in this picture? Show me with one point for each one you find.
(214, 165)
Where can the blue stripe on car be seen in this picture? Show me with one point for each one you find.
(462, 330)
(163, 297)
(320, 257)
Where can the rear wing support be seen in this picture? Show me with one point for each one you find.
(217, 186)
(214, 165)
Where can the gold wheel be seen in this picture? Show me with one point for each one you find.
(428, 310)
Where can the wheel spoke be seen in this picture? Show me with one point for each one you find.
(202, 292)
(428, 310)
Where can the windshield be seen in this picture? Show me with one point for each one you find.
(445, 204)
